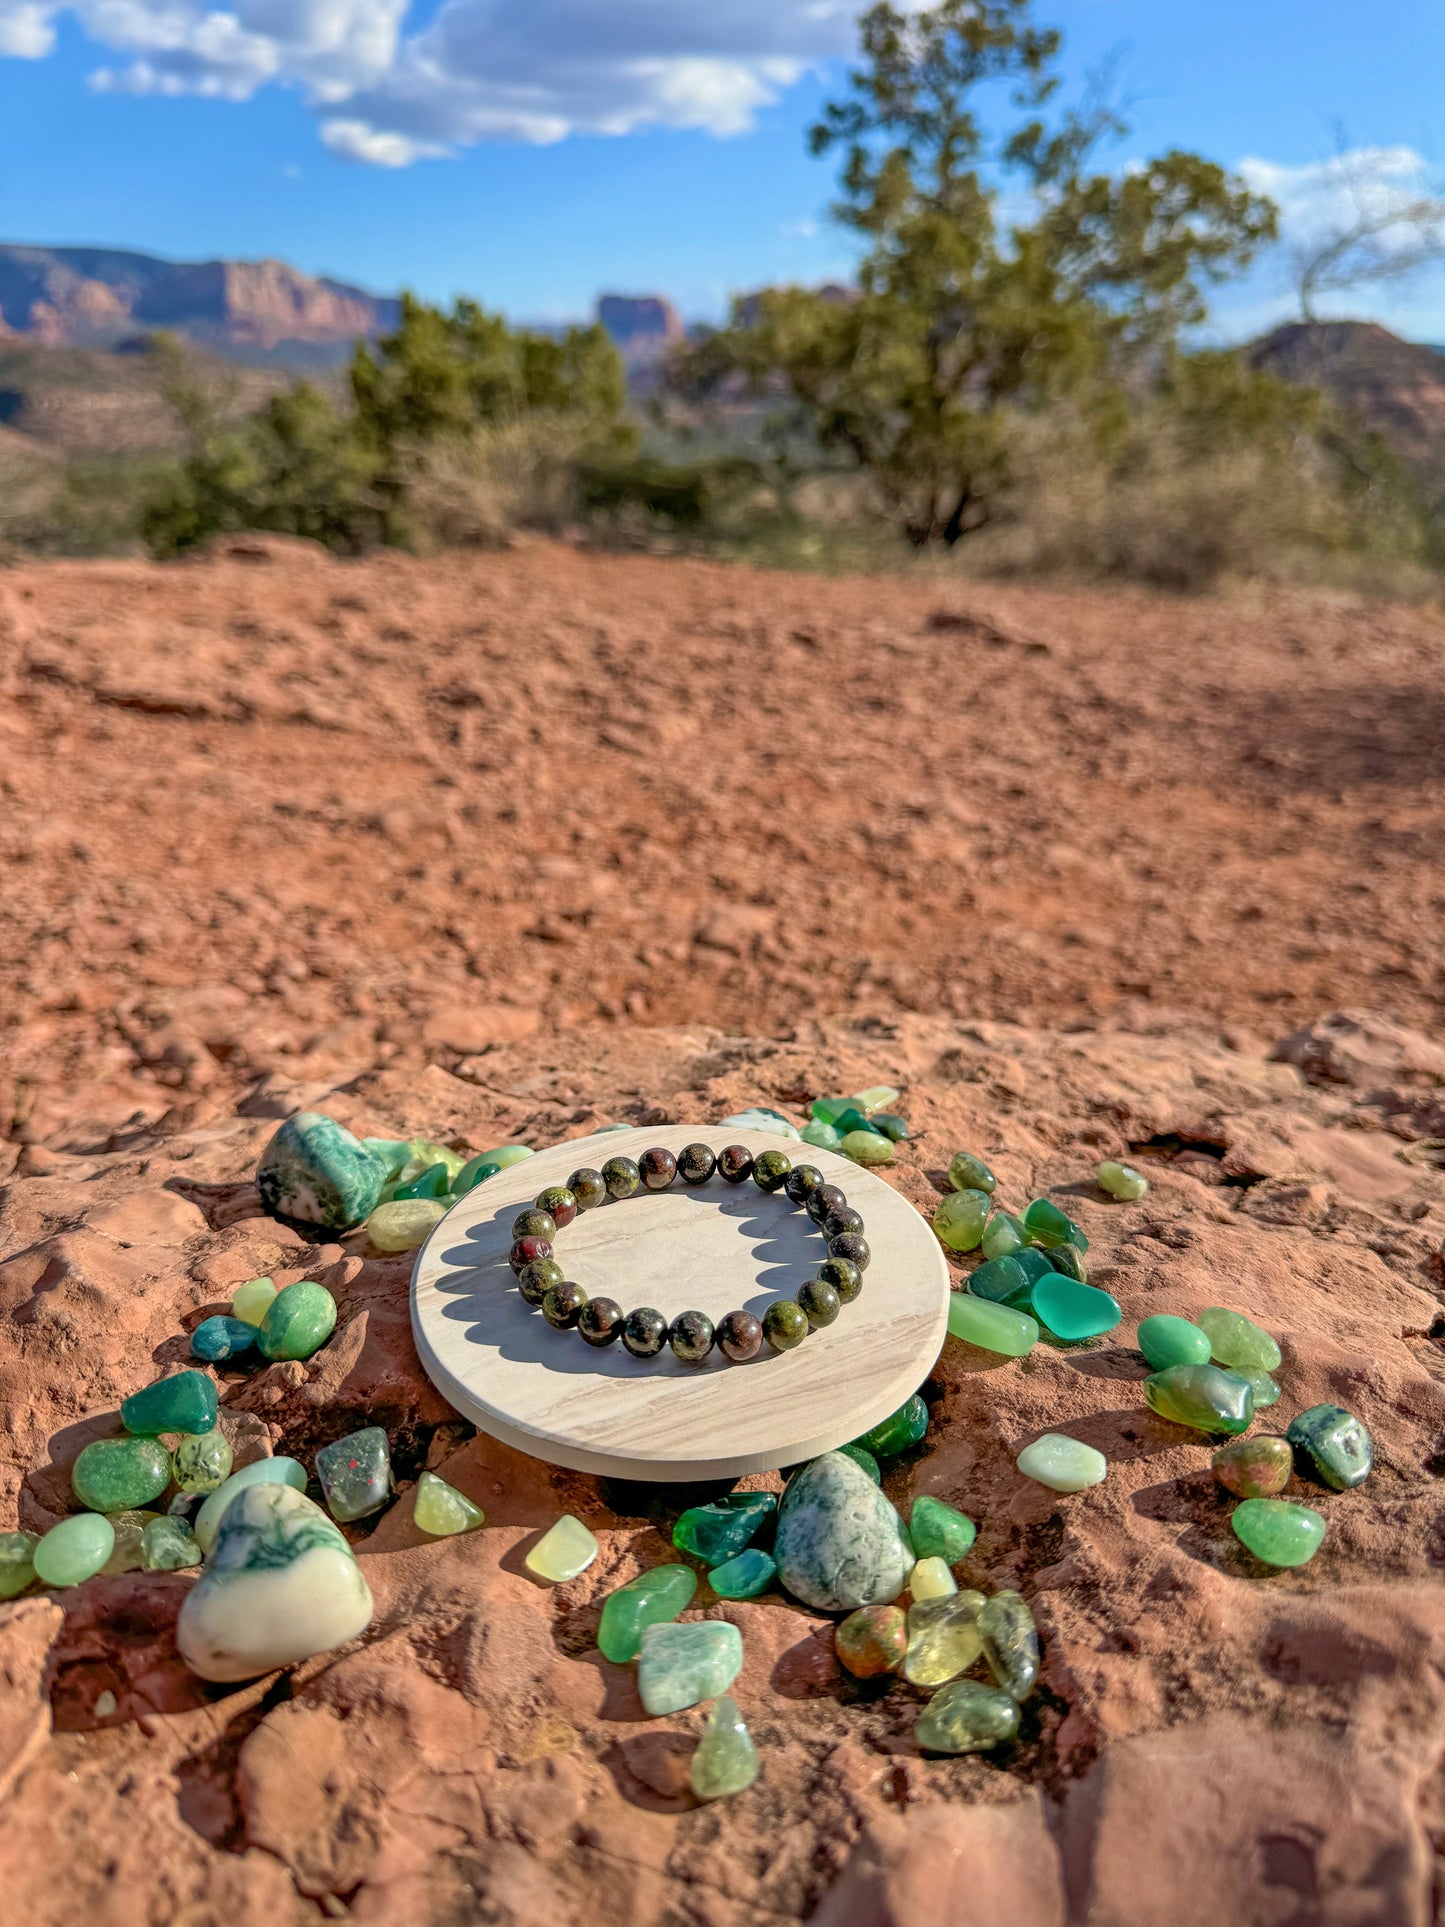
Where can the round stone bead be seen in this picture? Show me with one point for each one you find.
(621, 1176)
(588, 1187)
(534, 1222)
(820, 1302)
(563, 1304)
(968, 1173)
(114, 1475)
(600, 1321)
(801, 1182)
(644, 1332)
(658, 1168)
(527, 1251)
(691, 1336)
(844, 1276)
(695, 1164)
(735, 1163)
(770, 1170)
(785, 1325)
(851, 1247)
(535, 1280)
(739, 1336)
(826, 1198)
(559, 1203)
(837, 1222)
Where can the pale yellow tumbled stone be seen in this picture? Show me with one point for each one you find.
(562, 1552)
(943, 1638)
(252, 1302)
(405, 1223)
(931, 1579)
(441, 1510)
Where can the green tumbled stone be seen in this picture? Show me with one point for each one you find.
(943, 1638)
(891, 1125)
(827, 1110)
(679, 1665)
(1003, 1235)
(1266, 1392)
(355, 1473)
(564, 1550)
(993, 1327)
(314, 1172)
(877, 1097)
(1237, 1342)
(839, 1543)
(393, 1153)
(651, 1599)
(1121, 1180)
(726, 1761)
(114, 1475)
(252, 1302)
(1072, 1311)
(1010, 1642)
(1047, 1225)
(744, 1577)
(274, 1471)
(719, 1531)
(301, 1319)
(898, 1431)
(17, 1562)
(128, 1552)
(440, 1510)
(1166, 1340)
(968, 1173)
(865, 1459)
(867, 1147)
(938, 1531)
(74, 1550)
(202, 1462)
(474, 1172)
(967, 1717)
(404, 1225)
(872, 1641)
(1277, 1531)
(434, 1182)
(216, 1339)
(169, 1545)
(821, 1136)
(1204, 1396)
(1063, 1464)
(1332, 1445)
(959, 1219)
(1036, 1263)
(185, 1402)
(1002, 1281)
(1256, 1468)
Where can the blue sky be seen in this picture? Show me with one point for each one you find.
(536, 152)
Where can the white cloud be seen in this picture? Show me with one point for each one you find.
(1321, 195)
(527, 70)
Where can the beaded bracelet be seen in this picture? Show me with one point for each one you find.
(691, 1334)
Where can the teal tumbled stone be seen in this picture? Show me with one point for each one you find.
(216, 1339)
(74, 1550)
(1034, 1262)
(184, 1402)
(434, 1182)
(1277, 1531)
(1332, 1445)
(315, 1172)
(1166, 1340)
(1072, 1311)
(300, 1320)
(744, 1577)
(117, 1475)
(719, 1531)
(898, 1431)
(1047, 1225)
(1003, 1281)
(938, 1531)
(680, 1664)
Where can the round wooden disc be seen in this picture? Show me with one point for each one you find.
(715, 1249)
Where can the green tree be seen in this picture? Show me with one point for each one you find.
(962, 315)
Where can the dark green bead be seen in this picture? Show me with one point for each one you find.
(185, 1402)
(785, 1325)
(898, 1431)
(1332, 1445)
(845, 1222)
(825, 1199)
(844, 1276)
(820, 1302)
(621, 1176)
(719, 1531)
(534, 1223)
(559, 1204)
(770, 1170)
(691, 1335)
(588, 1187)
(801, 1182)
(535, 1280)
(644, 1332)
(853, 1248)
(562, 1305)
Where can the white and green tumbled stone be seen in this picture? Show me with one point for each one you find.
(201, 1462)
(280, 1585)
(1061, 1463)
(760, 1118)
(683, 1662)
(273, 1471)
(839, 1542)
(168, 1545)
(726, 1761)
(315, 1172)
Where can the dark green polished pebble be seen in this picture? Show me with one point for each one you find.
(820, 1302)
(1047, 1225)
(355, 1473)
(621, 1176)
(1001, 1280)
(785, 1325)
(434, 1182)
(219, 1338)
(1204, 1396)
(891, 1125)
(719, 1531)
(185, 1402)
(1034, 1262)
(1332, 1446)
(116, 1475)
(745, 1575)
(691, 1336)
(898, 1431)
(865, 1459)
(644, 1332)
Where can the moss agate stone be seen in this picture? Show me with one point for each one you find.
(1072, 1311)
(760, 1118)
(279, 1586)
(1010, 1642)
(938, 1531)
(184, 1402)
(405, 1224)
(719, 1531)
(216, 1339)
(943, 1638)
(252, 1302)
(726, 1761)
(678, 1665)
(651, 1599)
(959, 1219)
(995, 1328)
(967, 1717)
(301, 1319)
(1332, 1446)
(1121, 1181)
(840, 1544)
(1062, 1464)
(1047, 1225)
(115, 1475)
(872, 1641)
(898, 1431)
(202, 1462)
(168, 1545)
(744, 1577)
(274, 1471)
(1166, 1340)
(968, 1173)
(1257, 1468)
(1278, 1532)
(931, 1579)
(563, 1551)
(1237, 1342)
(314, 1172)
(1204, 1396)
(439, 1510)
(74, 1550)
(355, 1473)
(17, 1562)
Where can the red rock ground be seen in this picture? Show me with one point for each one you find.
(515, 845)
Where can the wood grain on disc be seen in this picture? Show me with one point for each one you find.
(714, 1249)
